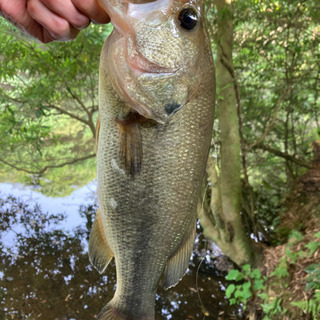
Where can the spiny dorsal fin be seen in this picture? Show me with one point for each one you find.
(97, 133)
(100, 254)
(177, 265)
(130, 144)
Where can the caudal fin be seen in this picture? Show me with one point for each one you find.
(111, 313)
(107, 313)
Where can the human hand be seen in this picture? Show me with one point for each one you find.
(50, 20)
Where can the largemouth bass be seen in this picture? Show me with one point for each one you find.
(156, 114)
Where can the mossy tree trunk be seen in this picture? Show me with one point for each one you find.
(221, 220)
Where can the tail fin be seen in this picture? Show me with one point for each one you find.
(107, 313)
(111, 313)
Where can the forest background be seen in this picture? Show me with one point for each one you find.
(261, 197)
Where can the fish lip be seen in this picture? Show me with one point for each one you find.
(140, 65)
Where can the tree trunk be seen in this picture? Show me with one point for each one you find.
(222, 221)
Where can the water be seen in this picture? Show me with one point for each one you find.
(45, 272)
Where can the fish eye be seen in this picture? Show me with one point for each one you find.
(188, 18)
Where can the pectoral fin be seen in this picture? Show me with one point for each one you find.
(100, 254)
(177, 265)
(130, 144)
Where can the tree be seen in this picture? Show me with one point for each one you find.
(222, 220)
(271, 80)
(48, 102)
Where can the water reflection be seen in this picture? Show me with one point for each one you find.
(46, 273)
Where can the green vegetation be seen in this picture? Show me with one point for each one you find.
(273, 293)
(48, 104)
(264, 178)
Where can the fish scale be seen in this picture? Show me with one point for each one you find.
(151, 162)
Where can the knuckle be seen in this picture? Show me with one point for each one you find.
(61, 27)
(32, 7)
(80, 21)
(81, 5)
(50, 3)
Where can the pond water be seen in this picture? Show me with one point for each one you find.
(45, 272)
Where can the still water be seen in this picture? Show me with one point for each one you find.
(45, 272)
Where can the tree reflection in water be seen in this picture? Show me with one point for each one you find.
(45, 273)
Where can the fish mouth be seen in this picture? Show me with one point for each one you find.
(140, 65)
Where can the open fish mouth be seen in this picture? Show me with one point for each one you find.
(139, 64)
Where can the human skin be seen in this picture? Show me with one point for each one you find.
(50, 20)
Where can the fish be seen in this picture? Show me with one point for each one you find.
(156, 111)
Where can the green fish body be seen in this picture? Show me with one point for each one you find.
(156, 114)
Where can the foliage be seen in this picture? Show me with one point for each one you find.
(277, 73)
(311, 306)
(48, 103)
(251, 282)
(48, 97)
(277, 54)
(250, 286)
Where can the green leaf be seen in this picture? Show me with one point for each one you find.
(263, 296)
(230, 290)
(258, 285)
(312, 268)
(281, 271)
(234, 275)
(295, 236)
(256, 274)
(312, 246)
(247, 291)
(246, 268)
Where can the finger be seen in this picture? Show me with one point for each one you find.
(68, 11)
(91, 9)
(15, 11)
(58, 27)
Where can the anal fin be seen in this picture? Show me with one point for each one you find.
(130, 144)
(177, 264)
(100, 254)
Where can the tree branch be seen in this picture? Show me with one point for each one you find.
(284, 155)
(271, 122)
(49, 166)
(81, 104)
(71, 115)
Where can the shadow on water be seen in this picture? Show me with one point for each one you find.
(45, 272)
